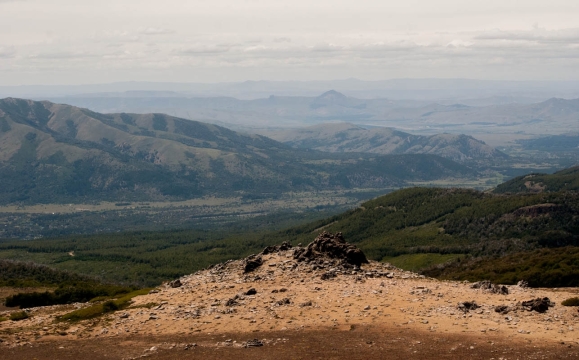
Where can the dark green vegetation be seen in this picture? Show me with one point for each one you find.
(67, 287)
(554, 267)
(52, 153)
(106, 307)
(567, 179)
(421, 227)
(574, 301)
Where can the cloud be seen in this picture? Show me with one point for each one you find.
(7, 52)
(155, 31)
(202, 50)
(64, 55)
(537, 35)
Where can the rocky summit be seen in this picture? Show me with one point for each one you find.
(292, 293)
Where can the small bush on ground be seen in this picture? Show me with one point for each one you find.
(106, 307)
(21, 315)
(574, 301)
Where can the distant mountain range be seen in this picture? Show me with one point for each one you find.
(516, 120)
(344, 137)
(61, 153)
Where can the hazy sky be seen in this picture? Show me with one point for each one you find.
(81, 41)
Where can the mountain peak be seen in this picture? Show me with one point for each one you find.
(332, 95)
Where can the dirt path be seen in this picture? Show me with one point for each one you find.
(360, 343)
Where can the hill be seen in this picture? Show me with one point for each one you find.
(60, 153)
(414, 228)
(287, 302)
(567, 179)
(343, 137)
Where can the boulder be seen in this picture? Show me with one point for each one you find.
(252, 263)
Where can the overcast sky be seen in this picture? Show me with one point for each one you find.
(81, 41)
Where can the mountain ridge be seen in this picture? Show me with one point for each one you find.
(52, 150)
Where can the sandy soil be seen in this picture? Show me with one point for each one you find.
(374, 312)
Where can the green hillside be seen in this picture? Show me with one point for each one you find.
(567, 179)
(60, 153)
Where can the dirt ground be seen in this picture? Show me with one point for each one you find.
(307, 310)
(360, 343)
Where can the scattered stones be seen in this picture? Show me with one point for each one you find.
(175, 283)
(189, 346)
(252, 262)
(466, 306)
(540, 305)
(523, 284)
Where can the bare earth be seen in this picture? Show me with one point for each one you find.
(377, 312)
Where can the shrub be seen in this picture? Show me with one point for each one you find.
(101, 309)
(574, 301)
(21, 315)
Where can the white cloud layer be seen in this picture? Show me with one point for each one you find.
(66, 41)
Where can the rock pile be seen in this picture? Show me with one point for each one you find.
(332, 246)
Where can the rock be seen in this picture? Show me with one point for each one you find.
(466, 306)
(284, 301)
(307, 303)
(502, 309)
(540, 305)
(282, 290)
(328, 275)
(251, 291)
(253, 343)
(175, 283)
(486, 285)
(275, 249)
(154, 291)
(332, 246)
(232, 302)
(523, 284)
(189, 346)
(252, 262)
(124, 315)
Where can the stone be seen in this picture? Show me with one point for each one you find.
(540, 305)
(523, 284)
(253, 343)
(252, 262)
(466, 306)
(175, 283)
(251, 291)
(502, 309)
(284, 301)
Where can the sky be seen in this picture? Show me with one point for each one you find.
(81, 42)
